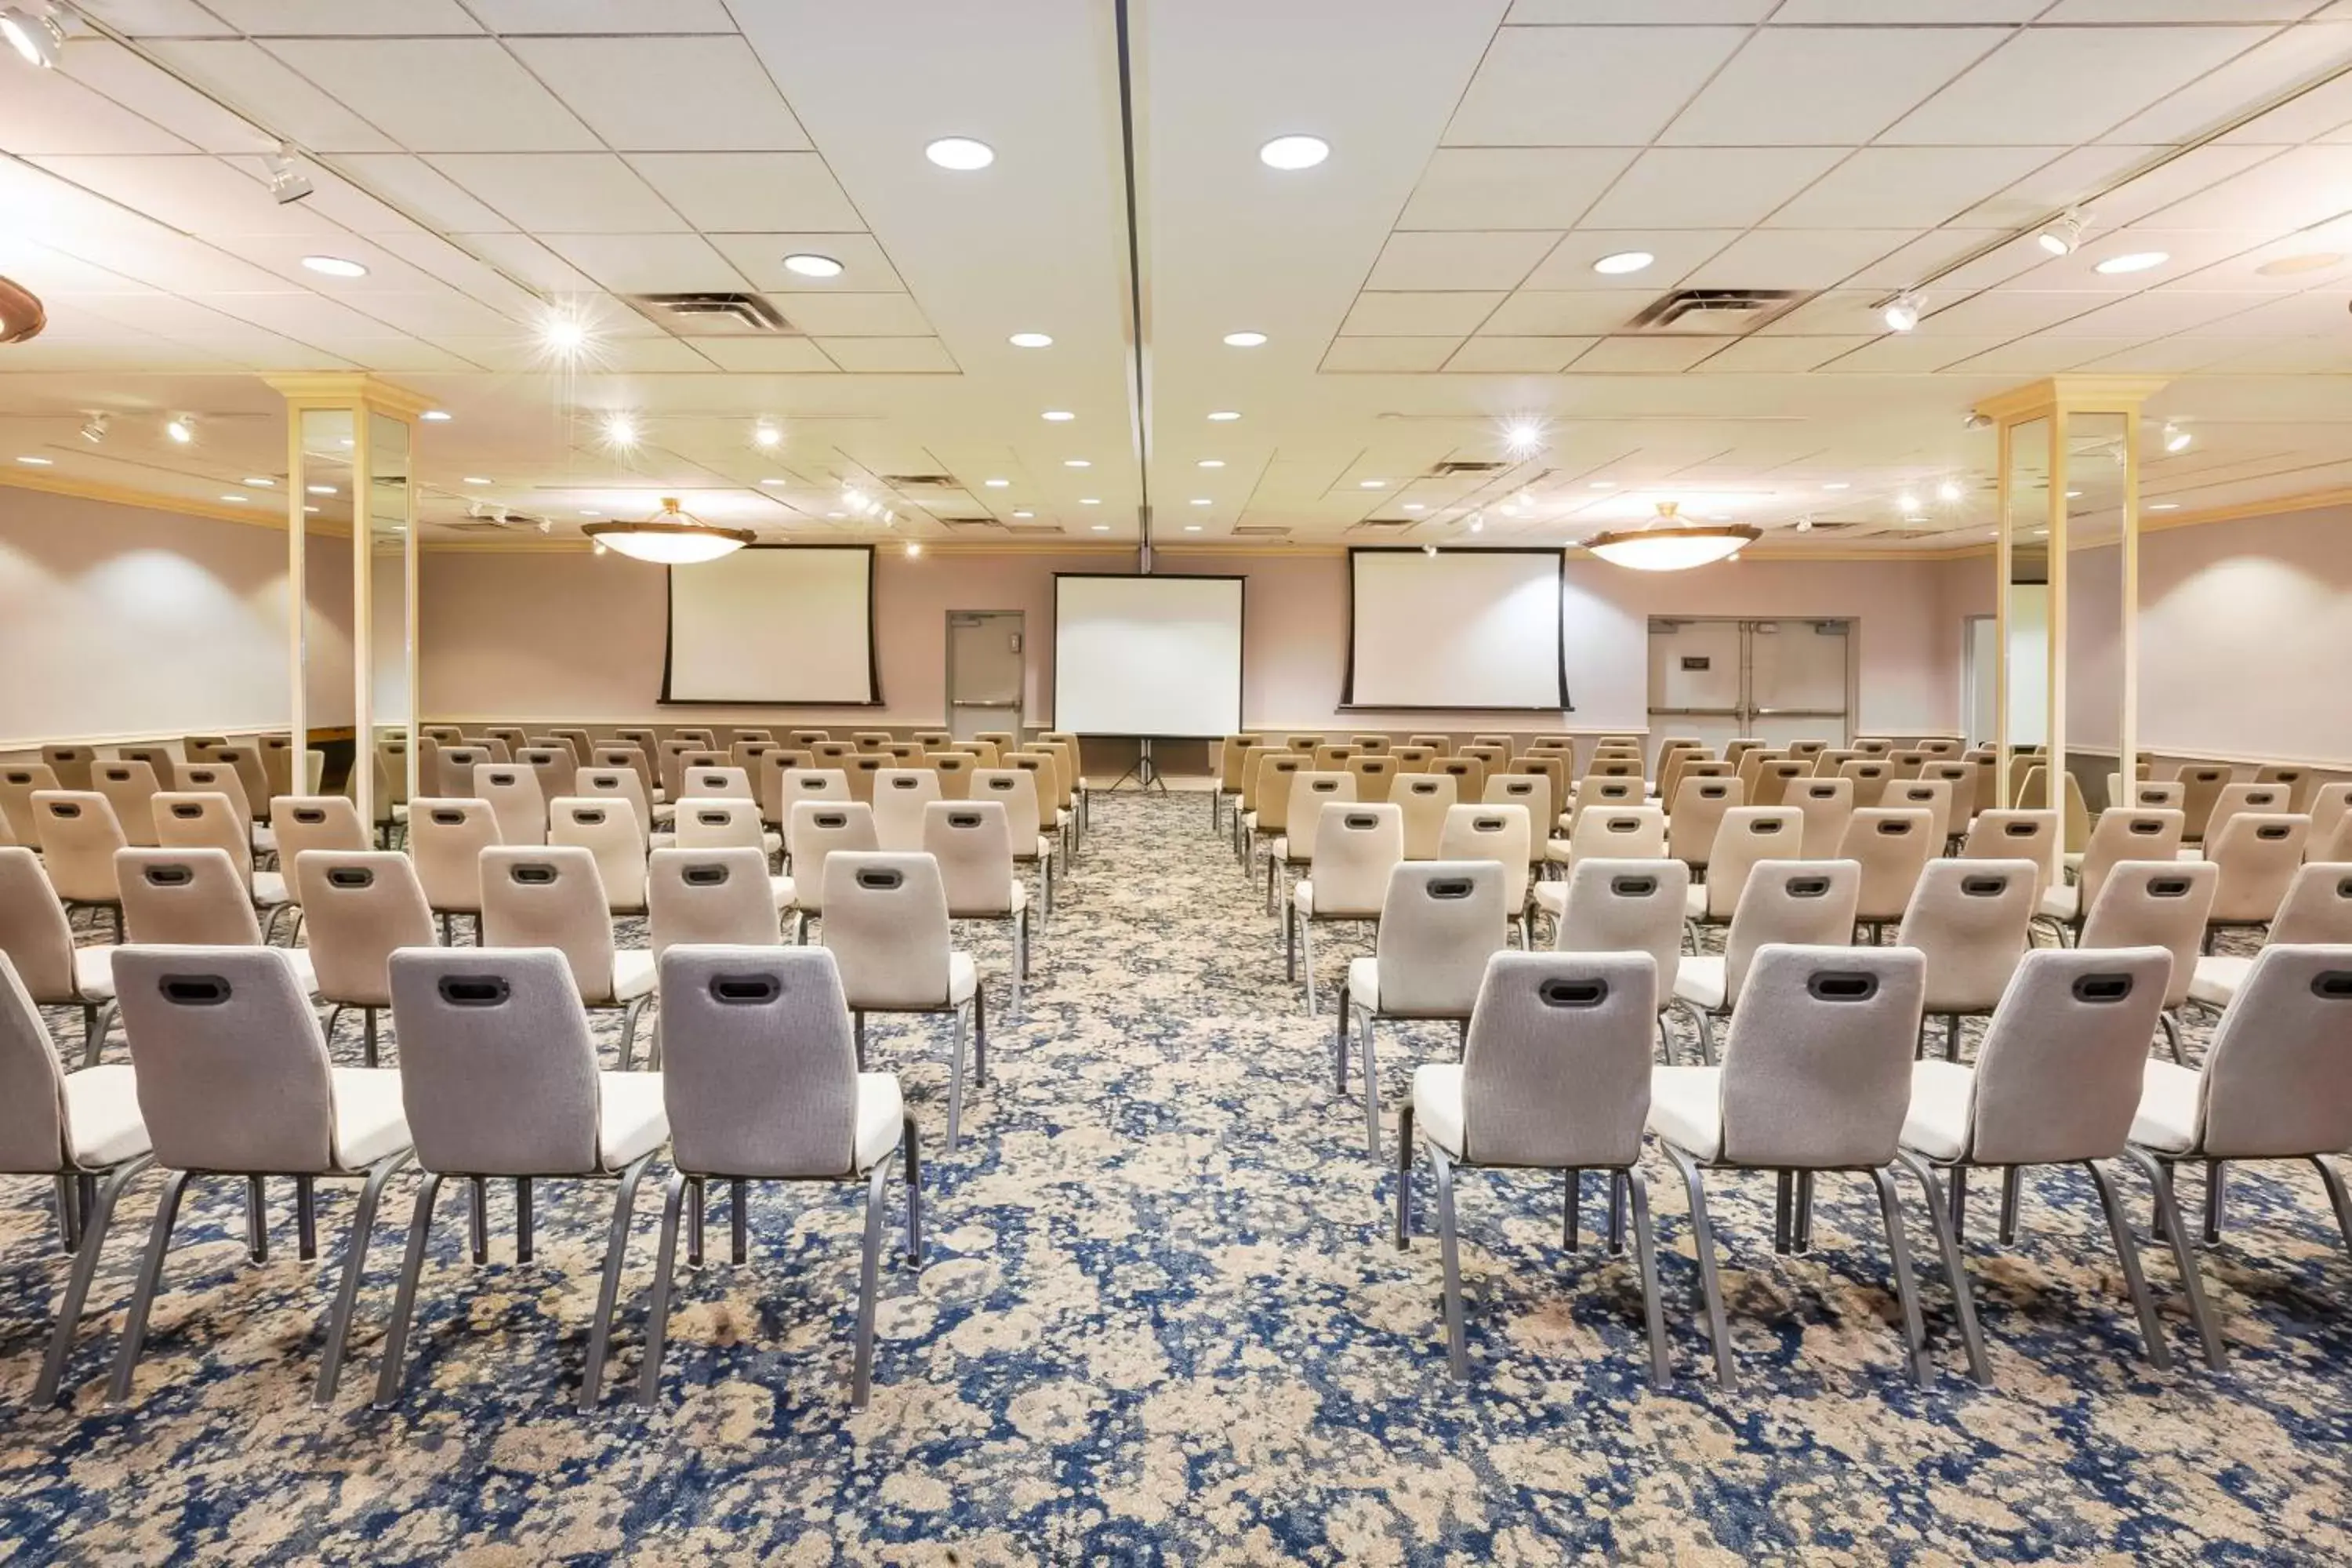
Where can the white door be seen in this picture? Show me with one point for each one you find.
(1694, 680)
(1777, 681)
(985, 662)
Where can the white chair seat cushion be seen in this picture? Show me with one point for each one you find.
(1695, 902)
(1700, 981)
(103, 1126)
(1686, 1108)
(630, 1118)
(1364, 983)
(306, 973)
(1558, 851)
(660, 841)
(1249, 820)
(881, 1117)
(2063, 902)
(2074, 859)
(1302, 893)
(1938, 1122)
(665, 812)
(785, 893)
(633, 974)
(1044, 850)
(265, 839)
(1020, 895)
(371, 1120)
(93, 971)
(772, 842)
(963, 978)
(1279, 847)
(1437, 1111)
(1551, 898)
(2216, 980)
(269, 888)
(2188, 852)
(2167, 1117)
(400, 811)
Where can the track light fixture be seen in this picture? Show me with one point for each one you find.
(288, 183)
(1902, 313)
(2176, 439)
(34, 32)
(181, 428)
(2061, 236)
(93, 429)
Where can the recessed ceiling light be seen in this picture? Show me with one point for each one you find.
(1192, 528)
(1202, 501)
(1031, 340)
(312, 510)
(1102, 528)
(321, 489)
(1075, 463)
(1090, 501)
(1906, 503)
(1837, 485)
(961, 152)
(38, 462)
(1949, 490)
(1023, 511)
(476, 479)
(2176, 439)
(1293, 152)
(836, 516)
(563, 333)
(1060, 416)
(335, 266)
(620, 430)
(1624, 261)
(1224, 415)
(772, 484)
(1243, 339)
(238, 500)
(1414, 505)
(437, 416)
(181, 428)
(914, 548)
(1371, 484)
(2163, 506)
(586, 512)
(1902, 313)
(766, 435)
(2133, 261)
(2071, 495)
(2311, 261)
(996, 484)
(258, 482)
(1601, 485)
(808, 264)
(1212, 463)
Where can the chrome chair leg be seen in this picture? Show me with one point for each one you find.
(2151, 1327)
(869, 1284)
(1404, 1176)
(1458, 1355)
(2167, 1206)
(347, 1290)
(914, 1193)
(143, 1294)
(616, 1249)
(955, 1086)
(1964, 1301)
(1645, 1257)
(1914, 1331)
(658, 1308)
(403, 1300)
(94, 1224)
(1710, 1287)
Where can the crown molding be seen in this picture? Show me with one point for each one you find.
(119, 495)
(328, 389)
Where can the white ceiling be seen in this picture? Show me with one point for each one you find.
(1430, 285)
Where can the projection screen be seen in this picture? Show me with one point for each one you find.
(789, 624)
(1150, 656)
(1462, 629)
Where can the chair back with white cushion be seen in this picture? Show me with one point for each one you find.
(205, 819)
(710, 896)
(446, 837)
(900, 796)
(1632, 905)
(185, 897)
(1309, 792)
(1424, 799)
(1932, 795)
(305, 821)
(549, 896)
(1500, 833)
(359, 908)
(2155, 903)
(1440, 921)
(711, 781)
(2258, 853)
(1748, 836)
(34, 933)
(2057, 1078)
(1892, 844)
(607, 828)
(512, 791)
(2008, 834)
(972, 840)
(1356, 848)
(78, 838)
(1807, 903)
(497, 1067)
(2331, 808)
(1817, 1070)
(818, 829)
(2278, 1082)
(1827, 805)
(1619, 833)
(1695, 814)
(760, 1062)
(1556, 1065)
(885, 920)
(2317, 909)
(1530, 790)
(719, 822)
(130, 786)
(1971, 918)
(614, 785)
(232, 1070)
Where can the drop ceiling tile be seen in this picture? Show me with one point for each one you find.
(146, 89)
(2293, 190)
(445, 314)
(2006, 313)
(2290, 356)
(397, 355)
(46, 111)
(2290, 58)
(601, 16)
(1511, 187)
(1482, 260)
(2188, 251)
(194, 194)
(1906, 12)
(528, 261)
(1908, 187)
(2068, 180)
(1399, 355)
(864, 269)
(2046, 86)
(2039, 356)
(562, 192)
(648, 263)
(440, 95)
(1585, 86)
(1678, 250)
(237, 72)
(667, 94)
(761, 192)
(1431, 314)
(437, 258)
(1908, 353)
(855, 315)
(1681, 13)
(1825, 86)
(1797, 258)
(2109, 13)
(1925, 257)
(1526, 356)
(1776, 356)
(420, 188)
(1645, 354)
(342, 18)
(2158, 312)
(1708, 187)
(889, 356)
(2305, 118)
(2242, 273)
(52, 275)
(2319, 315)
(2170, 356)
(1531, 314)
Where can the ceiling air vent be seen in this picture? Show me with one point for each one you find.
(921, 481)
(1034, 530)
(1383, 524)
(727, 315)
(1260, 531)
(1465, 466)
(970, 524)
(1720, 312)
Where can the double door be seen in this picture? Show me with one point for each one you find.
(1780, 680)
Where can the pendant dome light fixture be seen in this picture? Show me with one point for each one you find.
(1669, 544)
(672, 538)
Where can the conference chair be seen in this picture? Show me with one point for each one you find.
(1232, 752)
(232, 1080)
(1892, 844)
(1469, 774)
(1439, 923)
(804, 740)
(1439, 745)
(1592, 796)
(887, 925)
(583, 746)
(972, 842)
(1629, 832)
(1503, 741)
(2331, 808)
(1294, 848)
(1375, 777)
(511, 736)
(2170, 793)
(1972, 920)
(192, 898)
(710, 898)
(951, 771)
(933, 740)
(2257, 855)
(553, 768)
(1807, 903)
(1356, 845)
(1748, 836)
(2300, 782)
(656, 810)
(862, 769)
(305, 821)
(1775, 778)
(762, 1083)
(724, 822)
(1815, 1079)
(209, 820)
(2006, 834)
(129, 787)
(669, 763)
(1870, 778)
(445, 838)
(2151, 903)
(361, 905)
(2235, 799)
(219, 778)
(871, 740)
(539, 896)
(1501, 832)
(253, 785)
(900, 796)
(2201, 786)
(1629, 906)
(1370, 744)
(817, 830)
(1247, 799)
(1932, 795)
(1423, 799)
(501, 1081)
(1015, 789)
(1555, 1076)
(36, 938)
(2316, 911)
(1695, 814)
(619, 787)
(78, 838)
(717, 780)
(1005, 740)
(1077, 792)
(70, 764)
(606, 827)
(457, 765)
(1827, 806)
(1412, 759)
(1530, 791)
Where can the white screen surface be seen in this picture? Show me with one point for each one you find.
(1148, 656)
(789, 625)
(1463, 628)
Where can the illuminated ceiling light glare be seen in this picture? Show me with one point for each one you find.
(620, 430)
(2310, 261)
(258, 482)
(334, 266)
(1202, 501)
(2133, 261)
(996, 484)
(1477, 522)
(773, 483)
(2061, 238)
(1949, 490)
(476, 479)
(563, 334)
(1804, 525)
(34, 34)
(37, 462)
(1601, 485)
(181, 428)
(1243, 339)
(1022, 513)
(1289, 152)
(1077, 463)
(1622, 262)
(1523, 437)
(1090, 501)
(1031, 340)
(1900, 313)
(1102, 528)
(1224, 417)
(1211, 463)
(1906, 503)
(671, 538)
(1837, 485)
(93, 429)
(961, 153)
(765, 434)
(808, 264)
(239, 500)
(436, 416)
(1429, 550)
(2176, 439)
(319, 490)
(1414, 505)
(1371, 484)
(914, 548)
(1192, 528)
(312, 511)
(2163, 506)
(1059, 416)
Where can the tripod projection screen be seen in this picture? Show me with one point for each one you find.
(1462, 629)
(785, 624)
(1158, 657)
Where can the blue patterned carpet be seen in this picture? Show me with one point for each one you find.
(1160, 1322)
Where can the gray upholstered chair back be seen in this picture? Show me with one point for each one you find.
(446, 836)
(885, 919)
(2259, 853)
(2058, 1075)
(1817, 1070)
(70, 764)
(1357, 845)
(456, 771)
(78, 838)
(1612, 832)
(1827, 805)
(185, 897)
(1807, 903)
(512, 791)
(232, 1070)
(1500, 832)
(32, 1090)
(1932, 795)
(253, 791)
(1747, 837)
(551, 896)
(2140, 833)
(625, 756)
(718, 822)
(129, 785)
(900, 796)
(1774, 777)
(303, 822)
(2331, 804)
(607, 826)
(710, 896)
(1530, 790)
(1310, 790)
(818, 829)
(2278, 1074)
(34, 932)
(610, 784)
(554, 766)
(497, 1068)
(1556, 1068)
(973, 844)
(1632, 905)
(759, 1063)
(1971, 918)
(359, 907)
(2317, 909)
(1695, 813)
(2234, 798)
(205, 819)
(1440, 921)
(712, 781)
(1423, 799)
(1893, 843)
(2004, 833)
(2155, 903)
